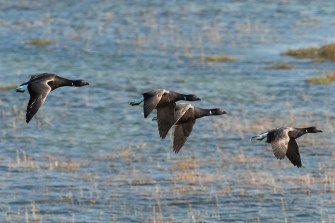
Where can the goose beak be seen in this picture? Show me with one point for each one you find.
(21, 88)
(259, 137)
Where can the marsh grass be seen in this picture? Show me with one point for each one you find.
(7, 87)
(39, 42)
(282, 66)
(219, 58)
(329, 78)
(318, 54)
(302, 53)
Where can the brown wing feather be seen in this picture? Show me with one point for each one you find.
(180, 135)
(293, 153)
(38, 93)
(180, 110)
(165, 118)
(280, 143)
(151, 102)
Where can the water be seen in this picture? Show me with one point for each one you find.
(87, 156)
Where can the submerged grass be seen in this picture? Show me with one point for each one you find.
(39, 42)
(282, 66)
(323, 53)
(7, 87)
(219, 58)
(302, 53)
(322, 80)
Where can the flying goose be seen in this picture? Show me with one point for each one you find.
(283, 142)
(185, 116)
(39, 86)
(164, 102)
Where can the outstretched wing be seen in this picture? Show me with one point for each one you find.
(151, 99)
(181, 133)
(38, 93)
(165, 118)
(293, 153)
(183, 129)
(279, 142)
(180, 111)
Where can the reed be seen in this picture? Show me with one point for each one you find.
(323, 53)
(7, 87)
(282, 66)
(39, 42)
(329, 78)
(219, 58)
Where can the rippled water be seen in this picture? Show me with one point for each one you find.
(87, 156)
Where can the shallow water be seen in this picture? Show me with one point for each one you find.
(87, 156)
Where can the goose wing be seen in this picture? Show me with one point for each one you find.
(38, 91)
(181, 133)
(279, 141)
(151, 99)
(182, 130)
(293, 153)
(180, 111)
(165, 118)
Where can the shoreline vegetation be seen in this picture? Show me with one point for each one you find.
(282, 66)
(39, 42)
(329, 78)
(219, 58)
(7, 87)
(317, 54)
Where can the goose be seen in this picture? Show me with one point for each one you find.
(283, 142)
(164, 102)
(39, 86)
(185, 116)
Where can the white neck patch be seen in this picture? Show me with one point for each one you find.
(210, 112)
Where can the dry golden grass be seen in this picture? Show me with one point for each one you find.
(327, 52)
(323, 53)
(241, 158)
(140, 181)
(39, 42)
(329, 78)
(282, 66)
(302, 53)
(70, 165)
(7, 87)
(186, 164)
(219, 58)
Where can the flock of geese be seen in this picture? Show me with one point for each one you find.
(169, 114)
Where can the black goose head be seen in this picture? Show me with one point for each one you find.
(218, 111)
(312, 129)
(80, 83)
(191, 97)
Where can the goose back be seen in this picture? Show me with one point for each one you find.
(151, 100)
(184, 113)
